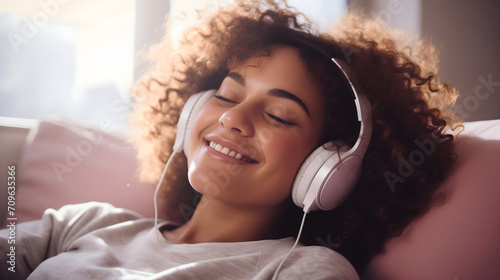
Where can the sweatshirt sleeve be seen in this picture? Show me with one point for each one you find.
(24, 246)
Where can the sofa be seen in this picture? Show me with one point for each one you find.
(57, 162)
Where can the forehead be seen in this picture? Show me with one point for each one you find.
(274, 57)
(281, 67)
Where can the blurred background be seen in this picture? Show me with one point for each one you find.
(78, 59)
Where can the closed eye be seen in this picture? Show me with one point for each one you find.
(280, 120)
(223, 99)
(272, 117)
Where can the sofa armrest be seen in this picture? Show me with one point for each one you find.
(13, 133)
(63, 162)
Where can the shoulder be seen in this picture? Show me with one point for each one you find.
(319, 262)
(90, 210)
(79, 219)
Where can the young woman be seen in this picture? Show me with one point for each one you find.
(227, 199)
(410, 112)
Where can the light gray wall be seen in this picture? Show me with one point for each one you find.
(402, 14)
(467, 34)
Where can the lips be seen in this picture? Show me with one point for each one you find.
(230, 152)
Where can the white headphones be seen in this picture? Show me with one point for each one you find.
(328, 174)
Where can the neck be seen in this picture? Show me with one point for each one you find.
(215, 221)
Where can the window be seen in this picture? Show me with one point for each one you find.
(75, 59)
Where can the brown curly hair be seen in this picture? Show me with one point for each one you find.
(410, 152)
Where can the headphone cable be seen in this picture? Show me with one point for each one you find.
(306, 210)
(275, 276)
(157, 190)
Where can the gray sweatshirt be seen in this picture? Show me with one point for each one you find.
(99, 241)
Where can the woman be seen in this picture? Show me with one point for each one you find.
(410, 113)
(410, 110)
(276, 101)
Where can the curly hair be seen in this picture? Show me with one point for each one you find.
(410, 151)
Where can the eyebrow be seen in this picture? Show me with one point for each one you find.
(273, 92)
(237, 77)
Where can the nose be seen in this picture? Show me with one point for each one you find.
(238, 120)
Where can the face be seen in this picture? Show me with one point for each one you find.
(250, 139)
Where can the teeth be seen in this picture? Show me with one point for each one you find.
(227, 151)
(218, 147)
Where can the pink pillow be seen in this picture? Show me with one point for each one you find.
(459, 238)
(64, 163)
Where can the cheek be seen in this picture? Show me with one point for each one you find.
(287, 151)
(200, 169)
(284, 158)
(205, 118)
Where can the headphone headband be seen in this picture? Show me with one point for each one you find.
(363, 109)
(327, 174)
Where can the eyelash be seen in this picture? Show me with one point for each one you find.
(282, 121)
(273, 117)
(225, 99)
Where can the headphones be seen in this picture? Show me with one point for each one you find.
(328, 174)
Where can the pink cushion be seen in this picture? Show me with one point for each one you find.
(63, 163)
(459, 238)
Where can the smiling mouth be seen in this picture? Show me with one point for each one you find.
(228, 152)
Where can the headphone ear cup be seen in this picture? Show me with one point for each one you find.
(339, 183)
(186, 118)
(307, 172)
(326, 177)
